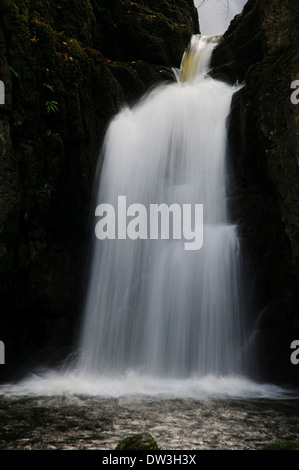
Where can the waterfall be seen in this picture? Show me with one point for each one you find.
(164, 315)
(152, 306)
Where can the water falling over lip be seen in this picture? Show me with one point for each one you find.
(196, 59)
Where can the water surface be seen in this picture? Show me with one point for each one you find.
(78, 422)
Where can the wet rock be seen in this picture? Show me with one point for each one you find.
(138, 442)
(261, 48)
(68, 68)
(288, 445)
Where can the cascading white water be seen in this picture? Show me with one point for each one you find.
(152, 306)
(160, 320)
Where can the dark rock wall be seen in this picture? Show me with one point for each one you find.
(67, 66)
(262, 48)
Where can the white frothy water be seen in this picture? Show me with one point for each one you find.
(132, 384)
(160, 320)
(152, 306)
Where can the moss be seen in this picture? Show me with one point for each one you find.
(76, 19)
(126, 74)
(288, 445)
(68, 53)
(138, 442)
(155, 33)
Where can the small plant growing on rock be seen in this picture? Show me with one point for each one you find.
(51, 106)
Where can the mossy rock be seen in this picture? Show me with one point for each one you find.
(138, 442)
(157, 34)
(62, 88)
(288, 445)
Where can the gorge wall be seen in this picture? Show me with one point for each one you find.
(261, 48)
(68, 66)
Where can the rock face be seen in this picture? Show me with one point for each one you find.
(261, 48)
(67, 66)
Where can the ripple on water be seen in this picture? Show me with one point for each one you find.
(60, 411)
